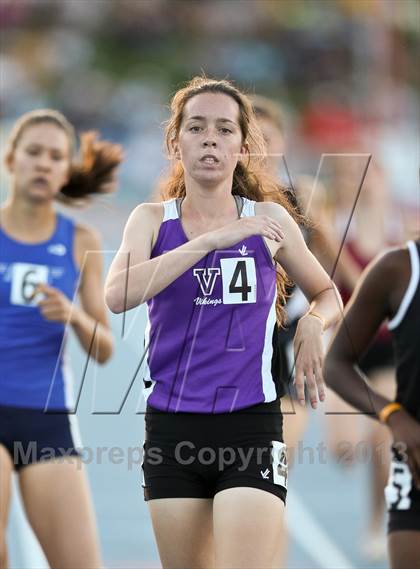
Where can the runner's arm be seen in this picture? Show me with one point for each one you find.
(133, 277)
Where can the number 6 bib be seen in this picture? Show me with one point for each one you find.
(25, 279)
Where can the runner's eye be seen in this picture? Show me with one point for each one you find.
(32, 150)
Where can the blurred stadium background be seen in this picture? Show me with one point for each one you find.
(346, 75)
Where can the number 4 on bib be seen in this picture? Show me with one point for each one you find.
(239, 280)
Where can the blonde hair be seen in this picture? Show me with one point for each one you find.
(265, 108)
(91, 172)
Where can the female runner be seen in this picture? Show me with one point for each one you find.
(374, 226)
(389, 290)
(42, 253)
(215, 471)
(314, 222)
(311, 200)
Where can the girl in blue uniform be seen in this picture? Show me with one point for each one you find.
(44, 264)
(215, 470)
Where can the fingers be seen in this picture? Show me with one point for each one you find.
(49, 314)
(49, 294)
(276, 229)
(315, 382)
(54, 306)
(47, 306)
(299, 383)
(272, 228)
(45, 289)
(54, 313)
(261, 225)
(46, 301)
(311, 385)
(309, 366)
(38, 289)
(319, 378)
(312, 390)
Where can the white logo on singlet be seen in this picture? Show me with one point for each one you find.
(206, 279)
(57, 249)
(243, 250)
(198, 301)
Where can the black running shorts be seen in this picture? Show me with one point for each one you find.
(192, 455)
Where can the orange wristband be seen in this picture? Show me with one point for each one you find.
(384, 413)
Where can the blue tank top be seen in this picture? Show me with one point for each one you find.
(209, 334)
(34, 372)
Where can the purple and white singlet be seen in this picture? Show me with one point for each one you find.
(209, 334)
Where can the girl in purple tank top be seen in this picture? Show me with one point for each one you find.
(211, 262)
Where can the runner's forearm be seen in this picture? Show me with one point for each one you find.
(343, 377)
(143, 281)
(94, 338)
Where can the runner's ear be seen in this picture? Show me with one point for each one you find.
(8, 161)
(244, 150)
(175, 150)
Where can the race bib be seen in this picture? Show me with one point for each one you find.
(398, 489)
(239, 280)
(25, 279)
(280, 467)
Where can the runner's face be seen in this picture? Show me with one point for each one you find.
(40, 162)
(210, 138)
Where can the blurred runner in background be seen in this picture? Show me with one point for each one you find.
(375, 224)
(310, 198)
(44, 264)
(271, 122)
